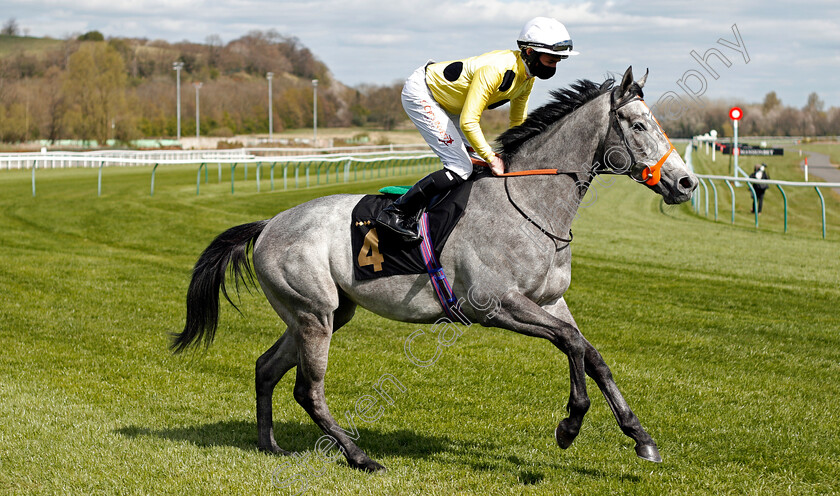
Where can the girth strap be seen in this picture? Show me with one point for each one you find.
(447, 299)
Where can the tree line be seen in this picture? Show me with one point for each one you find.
(768, 118)
(90, 88)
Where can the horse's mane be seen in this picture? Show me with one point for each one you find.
(566, 101)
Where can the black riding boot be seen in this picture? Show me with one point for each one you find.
(402, 215)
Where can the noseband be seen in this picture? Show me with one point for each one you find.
(637, 171)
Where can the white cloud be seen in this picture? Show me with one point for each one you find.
(378, 39)
(381, 41)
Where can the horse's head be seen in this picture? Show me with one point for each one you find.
(636, 145)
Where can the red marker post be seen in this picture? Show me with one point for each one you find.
(735, 113)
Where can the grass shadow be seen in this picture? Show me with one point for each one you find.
(299, 437)
(599, 474)
(529, 478)
(239, 434)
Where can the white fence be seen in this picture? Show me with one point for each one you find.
(378, 163)
(352, 150)
(707, 181)
(61, 160)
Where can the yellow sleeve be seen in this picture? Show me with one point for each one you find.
(483, 84)
(519, 105)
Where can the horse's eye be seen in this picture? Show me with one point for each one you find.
(639, 127)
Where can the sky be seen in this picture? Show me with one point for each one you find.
(792, 48)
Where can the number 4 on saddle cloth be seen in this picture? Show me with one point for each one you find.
(379, 252)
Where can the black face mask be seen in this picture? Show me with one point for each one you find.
(543, 71)
(536, 67)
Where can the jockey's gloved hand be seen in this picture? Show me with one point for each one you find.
(497, 166)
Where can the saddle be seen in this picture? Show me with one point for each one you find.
(378, 252)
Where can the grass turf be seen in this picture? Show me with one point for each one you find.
(804, 216)
(10, 45)
(830, 149)
(724, 339)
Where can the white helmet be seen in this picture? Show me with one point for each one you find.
(546, 35)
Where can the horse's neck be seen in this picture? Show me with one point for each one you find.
(569, 145)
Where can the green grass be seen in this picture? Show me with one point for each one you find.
(804, 217)
(830, 149)
(724, 339)
(10, 45)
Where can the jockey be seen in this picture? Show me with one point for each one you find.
(445, 101)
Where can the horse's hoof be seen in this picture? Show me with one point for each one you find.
(648, 452)
(274, 449)
(564, 438)
(370, 466)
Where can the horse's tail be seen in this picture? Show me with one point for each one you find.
(229, 248)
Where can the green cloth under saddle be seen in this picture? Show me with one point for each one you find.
(394, 190)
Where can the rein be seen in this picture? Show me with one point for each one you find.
(639, 172)
(553, 237)
(531, 172)
(534, 172)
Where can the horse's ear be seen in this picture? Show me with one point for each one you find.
(641, 82)
(626, 81)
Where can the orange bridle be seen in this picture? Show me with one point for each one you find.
(652, 175)
(639, 172)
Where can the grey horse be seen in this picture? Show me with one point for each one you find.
(303, 261)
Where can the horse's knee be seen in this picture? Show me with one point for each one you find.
(308, 396)
(578, 406)
(597, 368)
(262, 377)
(571, 342)
(302, 395)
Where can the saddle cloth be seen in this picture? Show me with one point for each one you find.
(378, 252)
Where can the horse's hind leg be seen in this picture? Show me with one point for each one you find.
(271, 367)
(313, 347)
(597, 369)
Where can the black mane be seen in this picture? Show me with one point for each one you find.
(566, 101)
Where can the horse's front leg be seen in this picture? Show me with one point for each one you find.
(519, 314)
(598, 370)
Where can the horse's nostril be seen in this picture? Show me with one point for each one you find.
(687, 184)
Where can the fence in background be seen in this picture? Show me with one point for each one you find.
(345, 167)
(350, 150)
(707, 183)
(61, 160)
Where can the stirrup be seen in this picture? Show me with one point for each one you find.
(396, 221)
